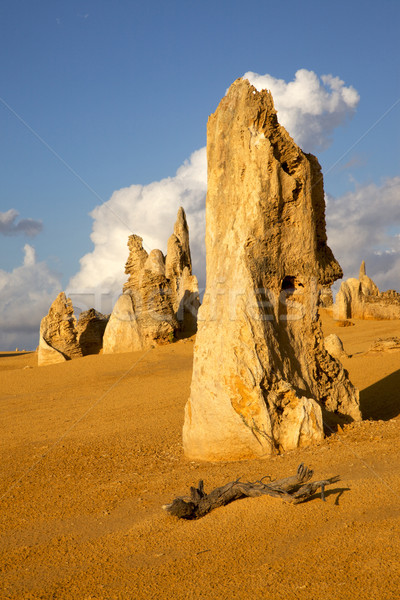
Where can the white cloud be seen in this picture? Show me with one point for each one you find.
(364, 225)
(310, 110)
(26, 294)
(308, 107)
(149, 211)
(8, 225)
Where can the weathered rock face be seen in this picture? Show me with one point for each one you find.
(160, 297)
(178, 269)
(58, 335)
(262, 379)
(62, 337)
(361, 299)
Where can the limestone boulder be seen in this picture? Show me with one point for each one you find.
(123, 332)
(58, 331)
(334, 346)
(262, 380)
(63, 337)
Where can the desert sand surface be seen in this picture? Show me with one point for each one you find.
(91, 450)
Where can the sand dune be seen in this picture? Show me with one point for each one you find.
(91, 450)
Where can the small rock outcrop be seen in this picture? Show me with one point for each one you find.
(390, 344)
(334, 346)
(160, 298)
(262, 380)
(361, 299)
(63, 337)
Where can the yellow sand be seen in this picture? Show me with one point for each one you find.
(91, 450)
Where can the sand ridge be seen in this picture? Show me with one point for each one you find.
(91, 450)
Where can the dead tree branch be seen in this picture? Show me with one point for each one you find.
(293, 489)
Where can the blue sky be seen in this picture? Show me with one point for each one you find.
(122, 90)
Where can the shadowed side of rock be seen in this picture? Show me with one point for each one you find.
(262, 379)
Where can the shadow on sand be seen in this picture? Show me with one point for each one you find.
(14, 354)
(381, 401)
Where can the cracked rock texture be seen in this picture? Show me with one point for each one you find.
(160, 298)
(262, 380)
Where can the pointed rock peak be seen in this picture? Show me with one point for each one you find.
(178, 252)
(363, 270)
(181, 229)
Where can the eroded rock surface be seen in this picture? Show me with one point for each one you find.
(160, 298)
(63, 337)
(262, 379)
(361, 299)
(178, 269)
(58, 335)
(334, 346)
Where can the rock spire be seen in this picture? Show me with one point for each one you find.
(159, 299)
(262, 379)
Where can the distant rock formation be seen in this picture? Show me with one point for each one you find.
(361, 299)
(262, 379)
(63, 337)
(160, 298)
(325, 299)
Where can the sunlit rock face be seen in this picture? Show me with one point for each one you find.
(64, 337)
(161, 296)
(262, 379)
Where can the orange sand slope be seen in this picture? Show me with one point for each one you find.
(91, 450)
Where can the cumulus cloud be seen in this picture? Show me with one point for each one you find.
(364, 225)
(9, 226)
(149, 211)
(26, 294)
(309, 107)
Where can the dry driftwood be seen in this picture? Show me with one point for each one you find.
(293, 489)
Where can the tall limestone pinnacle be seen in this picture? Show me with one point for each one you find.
(262, 380)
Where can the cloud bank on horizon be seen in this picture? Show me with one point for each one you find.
(26, 294)
(359, 223)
